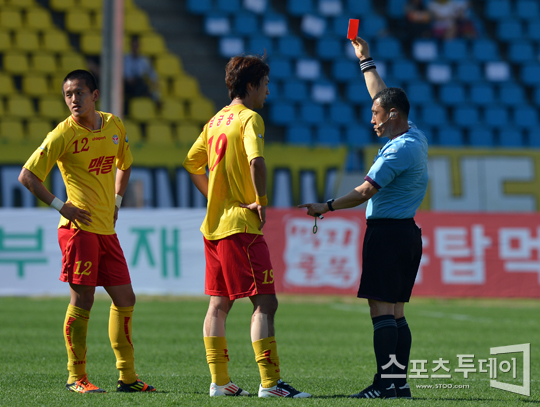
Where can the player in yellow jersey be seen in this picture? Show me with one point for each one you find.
(90, 147)
(237, 257)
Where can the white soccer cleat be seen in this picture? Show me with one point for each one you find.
(281, 389)
(229, 389)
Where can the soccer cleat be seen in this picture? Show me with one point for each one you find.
(139, 385)
(229, 389)
(83, 386)
(281, 389)
(404, 392)
(376, 391)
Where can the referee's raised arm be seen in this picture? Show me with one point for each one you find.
(374, 82)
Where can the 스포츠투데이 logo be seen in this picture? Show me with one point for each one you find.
(115, 139)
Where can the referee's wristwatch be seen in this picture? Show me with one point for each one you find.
(329, 203)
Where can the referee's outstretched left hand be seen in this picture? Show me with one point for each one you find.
(259, 210)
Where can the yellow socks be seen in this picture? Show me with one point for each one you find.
(120, 336)
(75, 329)
(268, 361)
(217, 358)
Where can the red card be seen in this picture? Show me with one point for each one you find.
(353, 28)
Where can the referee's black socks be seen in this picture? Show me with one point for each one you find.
(403, 349)
(385, 339)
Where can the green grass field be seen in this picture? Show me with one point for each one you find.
(325, 347)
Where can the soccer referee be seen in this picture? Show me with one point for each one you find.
(394, 188)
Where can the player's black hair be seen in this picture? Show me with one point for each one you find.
(393, 98)
(84, 75)
(243, 70)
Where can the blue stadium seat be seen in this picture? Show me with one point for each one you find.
(246, 24)
(290, 46)
(339, 26)
(420, 92)
(434, 115)
(357, 93)
(300, 7)
(521, 51)
(282, 113)
(298, 134)
(425, 50)
(450, 136)
(217, 24)
(373, 25)
(512, 94)
(455, 50)
(228, 6)
(510, 30)
(328, 134)
(533, 30)
(388, 48)
(275, 25)
(345, 70)
(469, 72)
(485, 50)
(366, 114)
(275, 93)
(312, 113)
(481, 136)
(452, 94)
(396, 8)
(466, 115)
(496, 116)
(329, 48)
(281, 68)
(358, 136)
(498, 9)
(295, 90)
(323, 91)
(231, 46)
(482, 93)
(259, 44)
(534, 137)
(526, 117)
(199, 6)
(511, 137)
(528, 9)
(530, 73)
(404, 70)
(342, 113)
(359, 8)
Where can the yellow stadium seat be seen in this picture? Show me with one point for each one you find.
(11, 130)
(37, 130)
(56, 41)
(58, 82)
(10, 19)
(7, 86)
(34, 84)
(44, 62)
(53, 107)
(38, 19)
(91, 43)
(142, 109)
(136, 22)
(133, 131)
(5, 41)
(15, 62)
(26, 40)
(159, 132)
(152, 44)
(95, 5)
(172, 110)
(201, 109)
(71, 61)
(98, 21)
(78, 21)
(186, 87)
(19, 106)
(187, 133)
(129, 4)
(20, 3)
(168, 65)
(62, 5)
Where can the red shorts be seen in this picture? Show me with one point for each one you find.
(238, 266)
(92, 259)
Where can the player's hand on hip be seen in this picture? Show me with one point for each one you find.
(74, 214)
(361, 48)
(259, 210)
(315, 208)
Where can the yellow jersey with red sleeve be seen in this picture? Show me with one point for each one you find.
(227, 144)
(87, 160)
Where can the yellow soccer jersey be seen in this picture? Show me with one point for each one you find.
(87, 160)
(227, 144)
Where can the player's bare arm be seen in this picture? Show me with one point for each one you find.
(68, 211)
(356, 197)
(121, 183)
(374, 82)
(201, 182)
(258, 176)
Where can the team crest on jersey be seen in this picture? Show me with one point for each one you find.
(260, 135)
(115, 139)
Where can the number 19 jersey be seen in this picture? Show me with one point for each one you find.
(227, 144)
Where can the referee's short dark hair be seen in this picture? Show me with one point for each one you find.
(84, 75)
(393, 97)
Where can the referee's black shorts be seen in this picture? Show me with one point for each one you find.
(390, 259)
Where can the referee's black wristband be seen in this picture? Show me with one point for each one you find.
(367, 64)
(329, 203)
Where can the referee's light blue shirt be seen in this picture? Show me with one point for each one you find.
(400, 173)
